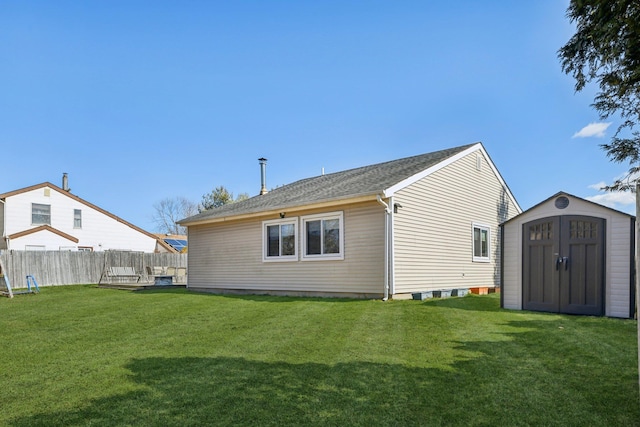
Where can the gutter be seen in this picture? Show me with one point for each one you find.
(387, 221)
(258, 212)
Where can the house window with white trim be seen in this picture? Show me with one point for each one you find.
(77, 218)
(279, 240)
(323, 236)
(40, 214)
(481, 243)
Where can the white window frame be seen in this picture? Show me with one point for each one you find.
(42, 205)
(482, 228)
(303, 231)
(77, 221)
(265, 240)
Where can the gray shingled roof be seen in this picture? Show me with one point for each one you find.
(366, 180)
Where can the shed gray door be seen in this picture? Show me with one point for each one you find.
(563, 265)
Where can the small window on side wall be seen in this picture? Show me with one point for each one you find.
(77, 218)
(279, 240)
(323, 236)
(481, 243)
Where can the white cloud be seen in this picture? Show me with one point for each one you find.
(620, 200)
(592, 129)
(614, 199)
(598, 186)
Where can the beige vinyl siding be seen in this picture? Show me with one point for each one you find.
(433, 229)
(618, 257)
(229, 257)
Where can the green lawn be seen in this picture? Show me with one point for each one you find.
(80, 355)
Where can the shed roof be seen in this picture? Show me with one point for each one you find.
(562, 193)
(382, 178)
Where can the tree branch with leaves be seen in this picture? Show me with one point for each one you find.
(219, 196)
(606, 49)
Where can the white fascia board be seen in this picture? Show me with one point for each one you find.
(415, 178)
(389, 192)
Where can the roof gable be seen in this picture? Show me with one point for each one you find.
(570, 196)
(43, 228)
(367, 181)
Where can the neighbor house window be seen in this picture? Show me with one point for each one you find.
(34, 248)
(279, 240)
(481, 240)
(40, 214)
(323, 236)
(77, 218)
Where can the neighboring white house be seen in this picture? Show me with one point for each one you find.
(47, 217)
(428, 222)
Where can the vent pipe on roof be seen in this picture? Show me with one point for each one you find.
(263, 175)
(65, 182)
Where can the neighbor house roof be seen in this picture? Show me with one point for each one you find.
(4, 196)
(364, 182)
(44, 228)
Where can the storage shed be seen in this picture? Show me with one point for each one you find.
(569, 255)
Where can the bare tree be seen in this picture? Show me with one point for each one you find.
(170, 210)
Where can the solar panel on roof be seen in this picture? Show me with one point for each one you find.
(176, 243)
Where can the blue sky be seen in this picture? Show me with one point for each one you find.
(144, 100)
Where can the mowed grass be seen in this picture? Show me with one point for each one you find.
(79, 355)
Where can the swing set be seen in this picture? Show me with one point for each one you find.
(5, 285)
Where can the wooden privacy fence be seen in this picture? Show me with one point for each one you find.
(73, 268)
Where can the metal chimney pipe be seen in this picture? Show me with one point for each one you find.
(263, 175)
(65, 181)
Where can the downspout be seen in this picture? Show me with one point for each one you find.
(392, 247)
(501, 231)
(4, 225)
(392, 250)
(387, 217)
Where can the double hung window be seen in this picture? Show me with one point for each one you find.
(280, 241)
(481, 243)
(40, 214)
(77, 218)
(323, 236)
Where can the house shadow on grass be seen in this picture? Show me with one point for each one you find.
(523, 378)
